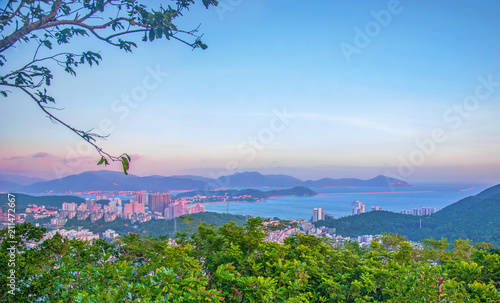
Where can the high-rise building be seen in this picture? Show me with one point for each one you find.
(177, 209)
(159, 202)
(198, 208)
(318, 214)
(89, 203)
(357, 207)
(128, 210)
(144, 198)
(69, 206)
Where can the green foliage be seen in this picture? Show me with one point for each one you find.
(234, 263)
(156, 227)
(22, 200)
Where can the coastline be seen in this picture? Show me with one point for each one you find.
(222, 202)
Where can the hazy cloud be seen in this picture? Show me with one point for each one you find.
(135, 157)
(14, 158)
(41, 155)
(74, 160)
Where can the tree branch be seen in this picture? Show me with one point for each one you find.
(13, 14)
(28, 28)
(82, 134)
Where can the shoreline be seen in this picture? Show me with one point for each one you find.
(222, 202)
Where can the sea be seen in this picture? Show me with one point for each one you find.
(336, 201)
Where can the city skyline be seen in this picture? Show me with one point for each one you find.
(405, 89)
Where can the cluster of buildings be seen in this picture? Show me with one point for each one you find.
(162, 206)
(308, 228)
(79, 234)
(358, 207)
(222, 198)
(144, 207)
(320, 214)
(423, 211)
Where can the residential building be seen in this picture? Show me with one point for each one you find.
(357, 207)
(318, 214)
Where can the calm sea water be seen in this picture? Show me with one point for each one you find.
(337, 200)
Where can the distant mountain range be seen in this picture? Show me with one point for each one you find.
(15, 182)
(116, 181)
(476, 218)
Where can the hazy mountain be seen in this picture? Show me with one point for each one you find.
(114, 181)
(192, 177)
(21, 180)
(7, 186)
(255, 179)
(379, 181)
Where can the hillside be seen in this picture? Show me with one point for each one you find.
(10, 183)
(156, 227)
(476, 218)
(22, 200)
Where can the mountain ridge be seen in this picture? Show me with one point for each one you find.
(114, 181)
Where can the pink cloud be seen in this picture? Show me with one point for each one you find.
(14, 158)
(135, 157)
(41, 155)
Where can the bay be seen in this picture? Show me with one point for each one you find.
(337, 200)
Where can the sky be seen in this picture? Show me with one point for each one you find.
(407, 89)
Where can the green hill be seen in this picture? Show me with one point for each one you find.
(23, 200)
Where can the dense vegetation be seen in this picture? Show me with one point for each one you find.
(234, 263)
(156, 227)
(475, 218)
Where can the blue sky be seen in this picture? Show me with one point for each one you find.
(335, 89)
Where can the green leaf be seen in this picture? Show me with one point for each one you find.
(151, 34)
(125, 168)
(101, 161)
(47, 44)
(159, 33)
(125, 165)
